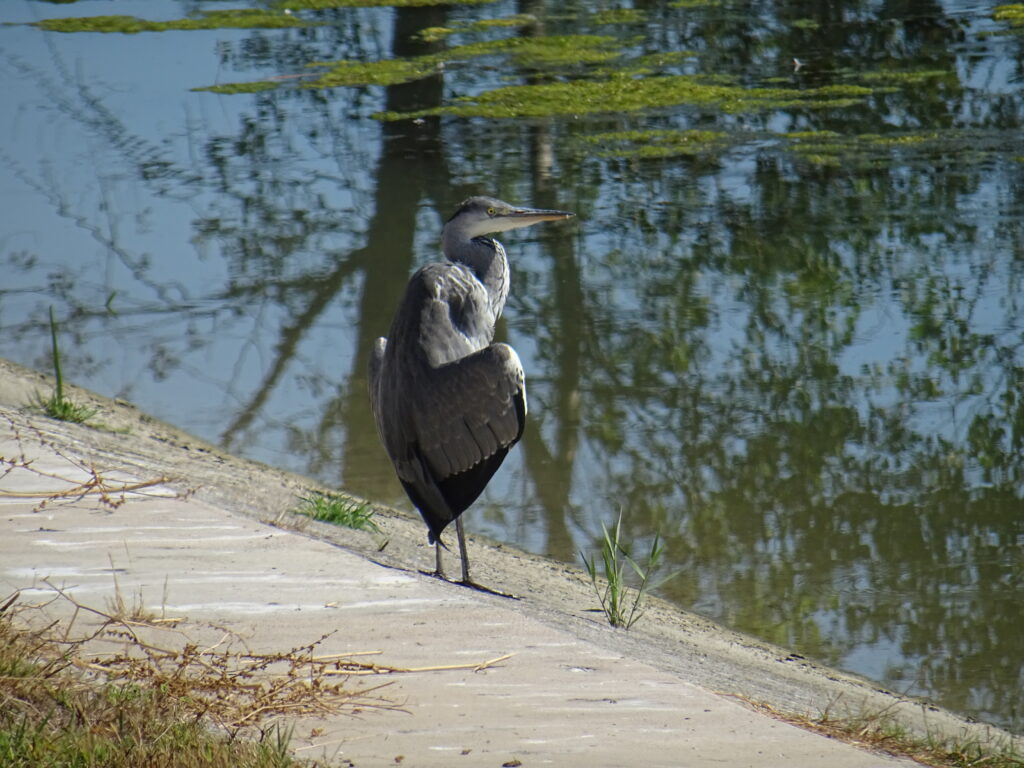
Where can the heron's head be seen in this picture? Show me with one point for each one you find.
(485, 215)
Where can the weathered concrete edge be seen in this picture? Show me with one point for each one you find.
(668, 638)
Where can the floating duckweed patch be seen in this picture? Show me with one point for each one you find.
(808, 24)
(628, 94)
(825, 148)
(516, 20)
(828, 148)
(387, 72)
(434, 34)
(831, 138)
(526, 53)
(233, 88)
(244, 18)
(1011, 14)
(906, 78)
(812, 135)
(620, 16)
(545, 52)
(905, 140)
(658, 62)
(645, 66)
(657, 143)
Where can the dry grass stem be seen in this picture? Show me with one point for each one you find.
(112, 493)
(347, 668)
(346, 655)
(230, 686)
(95, 484)
(233, 688)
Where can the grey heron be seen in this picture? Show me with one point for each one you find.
(448, 402)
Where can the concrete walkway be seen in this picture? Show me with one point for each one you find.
(572, 692)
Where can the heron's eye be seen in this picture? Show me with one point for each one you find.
(490, 211)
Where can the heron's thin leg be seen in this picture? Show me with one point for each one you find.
(462, 550)
(437, 553)
(465, 565)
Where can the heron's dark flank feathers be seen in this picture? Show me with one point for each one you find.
(463, 489)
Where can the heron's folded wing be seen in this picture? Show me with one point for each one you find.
(471, 410)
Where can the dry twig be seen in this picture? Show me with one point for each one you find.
(112, 493)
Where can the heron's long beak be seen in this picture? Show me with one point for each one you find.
(514, 218)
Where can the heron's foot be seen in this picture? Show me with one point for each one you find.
(439, 575)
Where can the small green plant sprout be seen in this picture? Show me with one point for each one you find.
(57, 406)
(620, 603)
(338, 510)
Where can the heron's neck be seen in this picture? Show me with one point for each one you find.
(486, 258)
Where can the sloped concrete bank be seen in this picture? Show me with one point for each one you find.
(577, 692)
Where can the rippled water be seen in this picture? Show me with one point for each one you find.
(785, 329)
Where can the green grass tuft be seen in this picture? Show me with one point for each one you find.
(338, 510)
(621, 604)
(56, 406)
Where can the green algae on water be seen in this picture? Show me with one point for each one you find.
(546, 52)
(525, 52)
(539, 53)
(387, 72)
(232, 88)
(913, 77)
(244, 18)
(619, 16)
(798, 135)
(658, 143)
(1013, 14)
(827, 148)
(901, 140)
(434, 34)
(652, 63)
(628, 94)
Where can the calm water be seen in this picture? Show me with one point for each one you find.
(786, 328)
